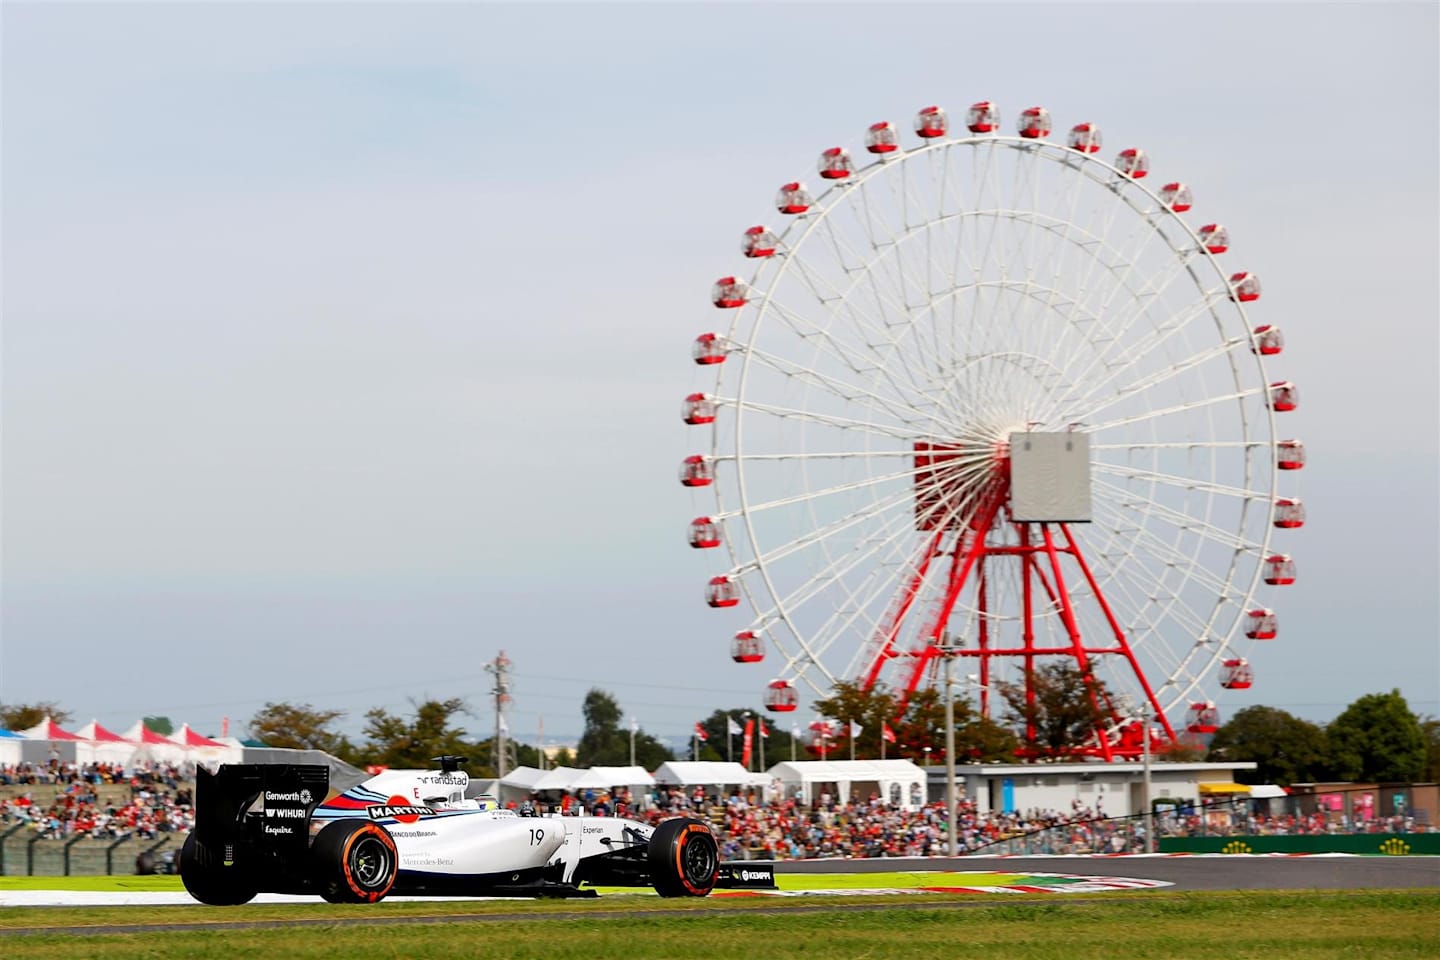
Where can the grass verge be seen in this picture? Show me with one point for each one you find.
(1196, 926)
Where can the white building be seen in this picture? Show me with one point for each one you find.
(1116, 789)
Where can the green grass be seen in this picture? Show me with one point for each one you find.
(1173, 926)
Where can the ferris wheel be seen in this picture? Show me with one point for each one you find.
(993, 398)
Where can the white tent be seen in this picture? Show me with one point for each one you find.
(103, 746)
(591, 778)
(707, 773)
(899, 782)
(10, 747)
(153, 747)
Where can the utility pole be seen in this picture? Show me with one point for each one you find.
(499, 668)
(634, 725)
(948, 651)
(1149, 807)
(760, 730)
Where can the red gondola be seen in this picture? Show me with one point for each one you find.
(780, 696)
(747, 647)
(1236, 674)
(1290, 455)
(1203, 718)
(1284, 396)
(1177, 197)
(932, 122)
(729, 293)
(1133, 162)
(708, 349)
(880, 138)
(1267, 340)
(704, 533)
(983, 117)
(1279, 570)
(1289, 513)
(696, 471)
(759, 242)
(1214, 238)
(1262, 624)
(1244, 287)
(835, 164)
(1084, 137)
(1034, 123)
(722, 592)
(697, 409)
(793, 198)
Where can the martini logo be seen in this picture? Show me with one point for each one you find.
(399, 808)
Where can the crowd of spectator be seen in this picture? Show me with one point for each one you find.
(65, 801)
(789, 829)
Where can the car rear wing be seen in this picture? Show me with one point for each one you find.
(260, 805)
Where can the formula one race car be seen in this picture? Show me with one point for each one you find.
(268, 828)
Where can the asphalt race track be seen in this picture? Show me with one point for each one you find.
(1217, 872)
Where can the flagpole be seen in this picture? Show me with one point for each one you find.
(761, 718)
(794, 738)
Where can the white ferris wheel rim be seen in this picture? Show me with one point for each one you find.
(806, 654)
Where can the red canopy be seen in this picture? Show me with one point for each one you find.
(48, 729)
(144, 734)
(93, 731)
(192, 739)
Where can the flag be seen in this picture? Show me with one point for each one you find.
(887, 733)
(732, 727)
(745, 748)
(855, 729)
(764, 734)
(634, 725)
(504, 727)
(700, 733)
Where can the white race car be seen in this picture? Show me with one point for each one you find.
(269, 828)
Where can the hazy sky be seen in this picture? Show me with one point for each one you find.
(343, 343)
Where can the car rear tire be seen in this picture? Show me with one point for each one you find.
(684, 858)
(209, 881)
(355, 861)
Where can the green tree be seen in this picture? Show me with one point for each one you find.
(851, 703)
(1430, 728)
(1067, 708)
(160, 725)
(22, 716)
(1377, 739)
(777, 747)
(983, 740)
(602, 743)
(923, 725)
(299, 726)
(1284, 748)
(402, 743)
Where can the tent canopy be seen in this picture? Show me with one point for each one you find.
(9, 735)
(591, 778)
(93, 731)
(900, 782)
(48, 729)
(190, 738)
(690, 773)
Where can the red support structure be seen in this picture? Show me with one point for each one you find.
(977, 534)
